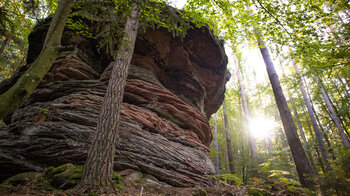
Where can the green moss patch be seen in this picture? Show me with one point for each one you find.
(63, 177)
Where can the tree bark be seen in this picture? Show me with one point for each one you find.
(284, 143)
(228, 141)
(317, 131)
(302, 164)
(252, 143)
(13, 98)
(217, 163)
(98, 169)
(333, 113)
(5, 42)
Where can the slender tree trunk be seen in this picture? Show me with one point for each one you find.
(317, 131)
(319, 159)
(302, 133)
(333, 113)
(13, 98)
(5, 42)
(269, 143)
(217, 163)
(225, 149)
(302, 164)
(244, 176)
(228, 141)
(98, 169)
(336, 105)
(246, 110)
(338, 90)
(344, 85)
(330, 148)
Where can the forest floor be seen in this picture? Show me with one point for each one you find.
(146, 189)
(142, 188)
(61, 181)
(131, 188)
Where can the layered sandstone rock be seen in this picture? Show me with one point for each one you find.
(173, 87)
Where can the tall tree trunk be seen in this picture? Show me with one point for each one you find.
(98, 169)
(245, 109)
(334, 115)
(317, 131)
(14, 97)
(5, 42)
(301, 161)
(228, 141)
(302, 133)
(217, 163)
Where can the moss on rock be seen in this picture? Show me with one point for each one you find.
(63, 177)
(21, 179)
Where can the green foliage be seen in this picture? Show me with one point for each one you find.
(232, 178)
(63, 177)
(17, 18)
(337, 182)
(333, 183)
(200, 192)
(254, 191)
(44, 111)
(278, 168)
(77, 25)
(108, 19)
(158, 15)
(68, 176)
(92, 194)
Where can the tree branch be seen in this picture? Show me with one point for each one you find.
(276, 20)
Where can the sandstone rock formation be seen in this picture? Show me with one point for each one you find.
(173, 87)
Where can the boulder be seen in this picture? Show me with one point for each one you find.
(173, 87)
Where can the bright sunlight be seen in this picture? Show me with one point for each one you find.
(262, 126)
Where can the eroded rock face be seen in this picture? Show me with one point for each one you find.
(173, 87)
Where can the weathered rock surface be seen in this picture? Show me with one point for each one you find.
(172, 88)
